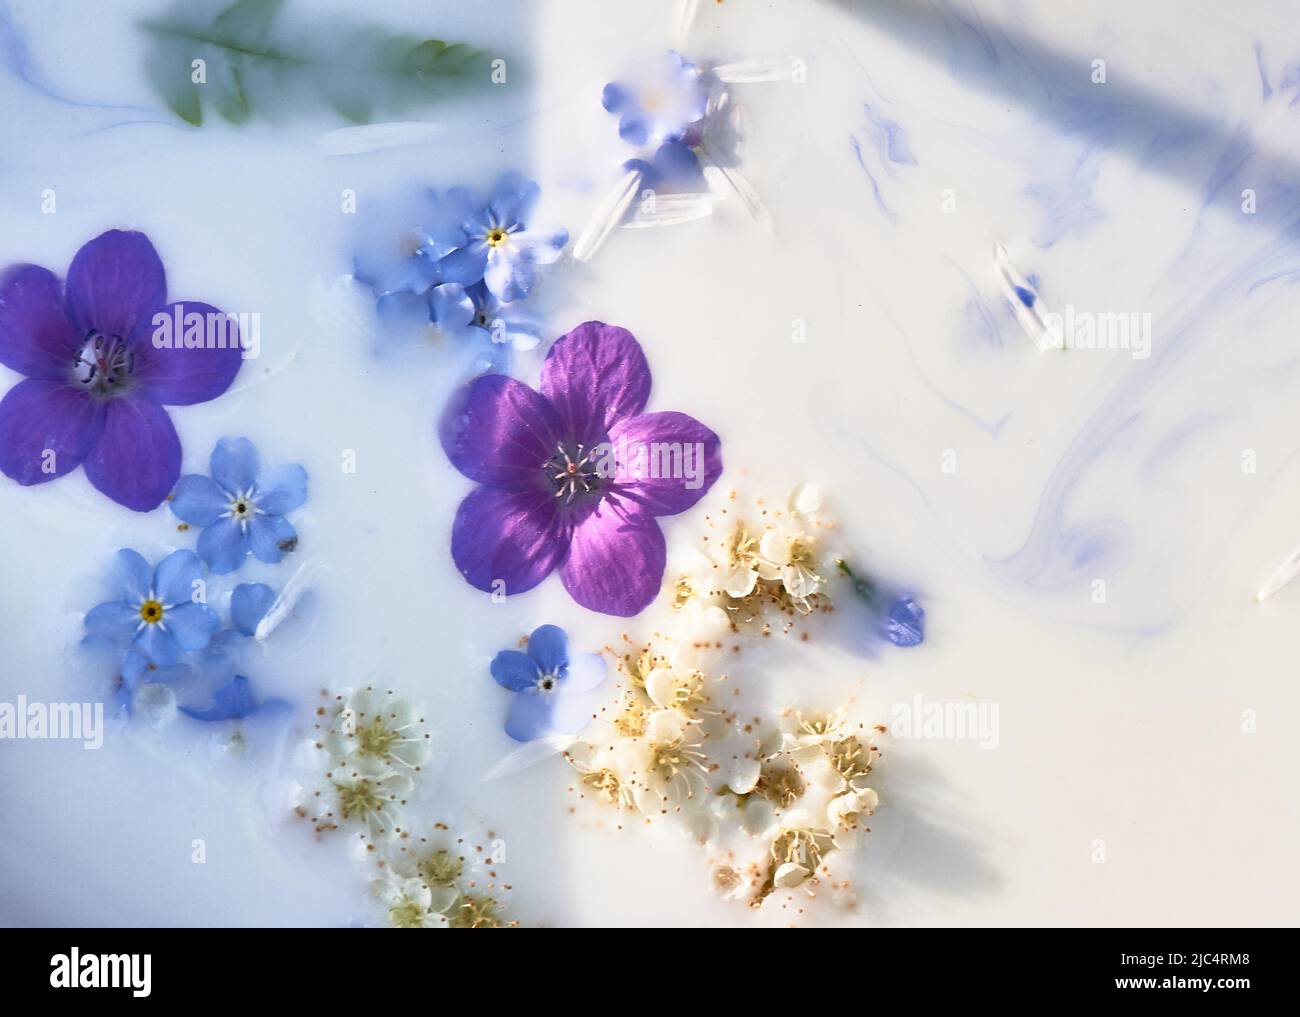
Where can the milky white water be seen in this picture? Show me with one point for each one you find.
(999, 481)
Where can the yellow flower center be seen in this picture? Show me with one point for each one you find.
(496, 237)
(406, 915)
(356, 801)
(151, 612)
(373, 739)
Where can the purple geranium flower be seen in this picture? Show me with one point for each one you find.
(553, 688)
(574, 476)
(96, 384)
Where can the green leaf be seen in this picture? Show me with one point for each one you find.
(253, 68)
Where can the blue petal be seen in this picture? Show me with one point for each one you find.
(132, 575)
(171, 674)
(192, 625)
(466, 265)
(905, 622)
(270, 538)
(451, 306)
(175, 578)
(235, 464)
(615, 97)
(676, 162)
(586, 672)
(529, 716)
(248, 606)
(403, 312)
(231, 701)
(570, 712)
(135, 665)
(509, 274)
(281, 490)
(549, 647)
(116, 620)
(157, 644)
(512, 199)
(458, 210)
(223, 545)
(634, 129)
(514, 670)
(199, 500)
(544, 247)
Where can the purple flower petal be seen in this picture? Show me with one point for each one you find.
(46, 430)
(36, 337)
(137, 460)
(594, 376)
(513, 670)
(514, 538)
(199, 500)
(181, 376)
(115, 283)
(503, 434)
(666, 461)
(616, 560)
(529, 717)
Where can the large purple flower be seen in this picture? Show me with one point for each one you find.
(96, 379)
(574, 477)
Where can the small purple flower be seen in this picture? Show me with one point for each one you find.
(553, 688)
(156, 611)
(491, 242)
(241, 507)
(95, 381)
(665, 103)
(574, 477)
